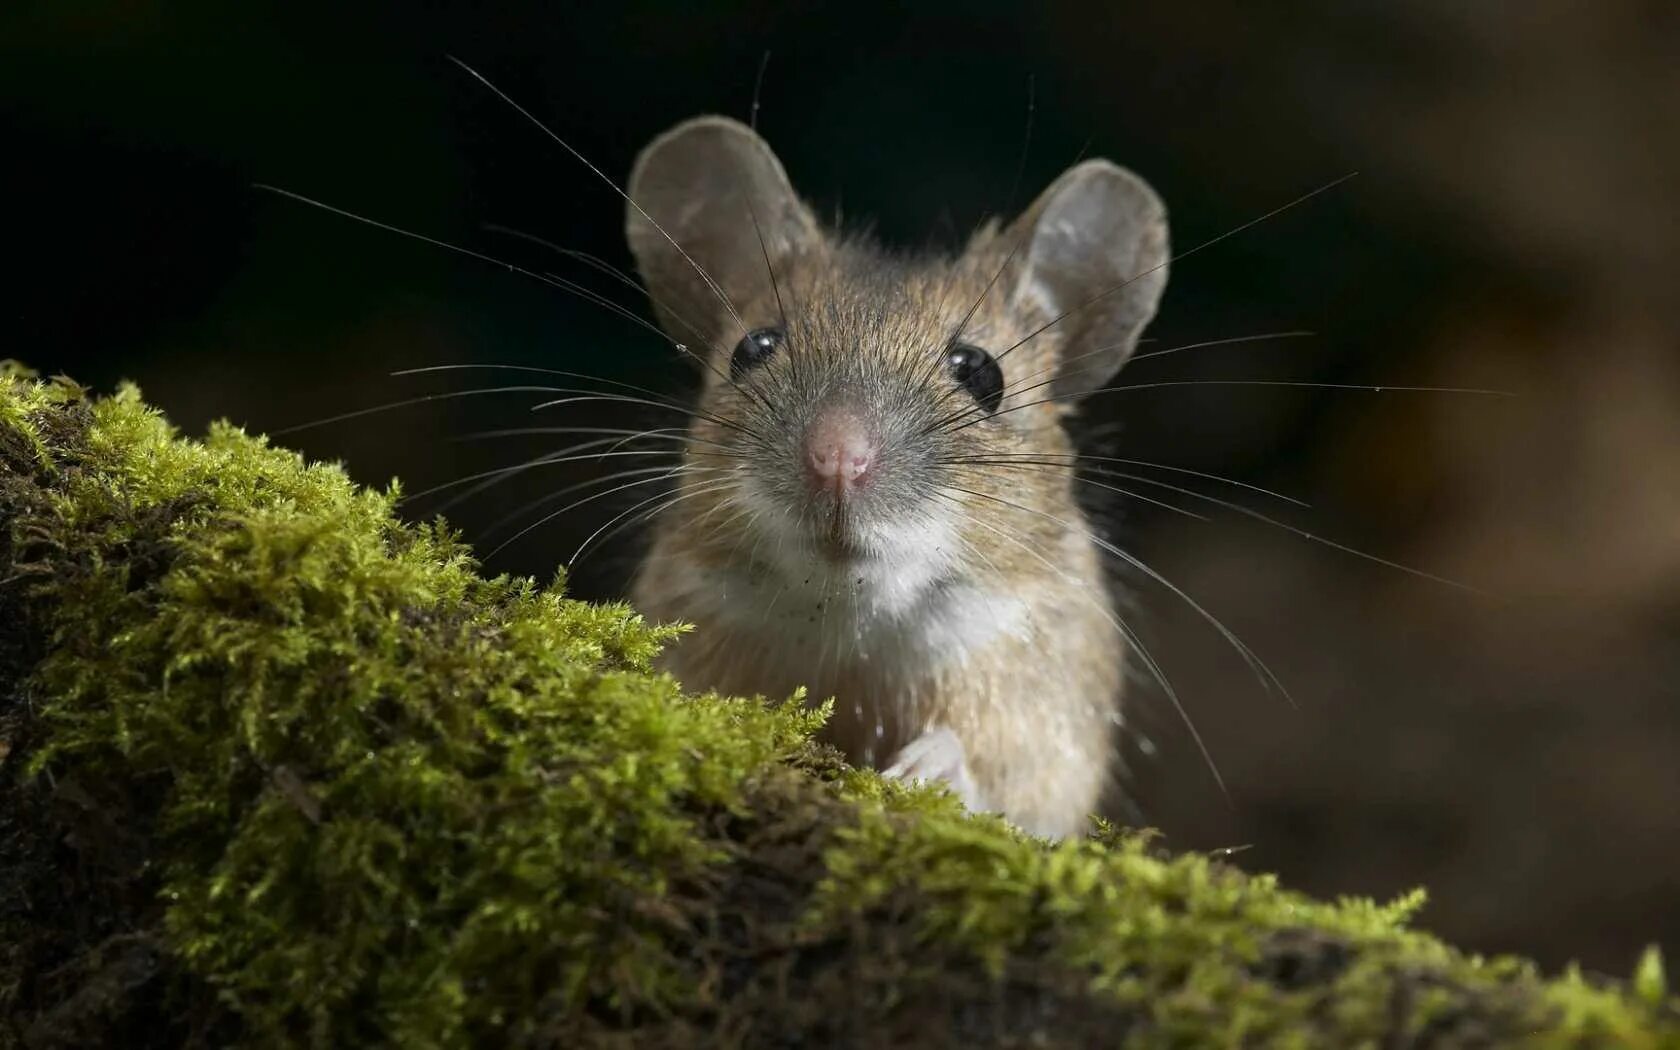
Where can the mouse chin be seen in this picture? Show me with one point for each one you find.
(840, 551)
(889, 560)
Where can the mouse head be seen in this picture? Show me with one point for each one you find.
(868, 416)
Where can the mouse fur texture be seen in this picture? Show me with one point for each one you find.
(876, 499)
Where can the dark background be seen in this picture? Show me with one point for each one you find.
(1513, 225)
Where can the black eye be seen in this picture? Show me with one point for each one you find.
(755, 348)
(978, 373)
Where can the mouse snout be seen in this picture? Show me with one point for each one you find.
(840, 451)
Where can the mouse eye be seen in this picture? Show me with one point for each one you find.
(978, 373)
(755, 348)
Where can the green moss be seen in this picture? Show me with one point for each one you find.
(289, 771)
(1649, 979)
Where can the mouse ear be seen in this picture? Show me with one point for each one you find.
(1095, 256)
(702, 196)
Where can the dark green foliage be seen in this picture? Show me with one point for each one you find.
(282, 770)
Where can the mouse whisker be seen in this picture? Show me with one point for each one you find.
(1208, 343)
(451, 395)
(1374, 388)
(758, 535)
(551, 497)
(1079, 460)
(570, 454)
(1125, 630)
(1268, 679)
(1022, 385)
(711, 284)
(594, 262)
(548, 459)
(764, 250)
(600, 265)
(1100, 296)
(507, 432)
(974, 308)
(937, 357)
(749, 390)
(1009, 205)
(1007, 461)
(1311, 537)
(669, 435)
(558, 455)
(626, 436)
(616, 384)
(409, 402)
(1114, 768)
(586, 294)
(1012, 388)
(670, 500)
(1181, 348)
(1016, 386)
(630, 522)
(585, 396)
(618, 274)
(1026, 145)
(743, 510)
(1087, 481)
(658, 400)
(545, 519)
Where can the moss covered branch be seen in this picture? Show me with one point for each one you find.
(280, 769)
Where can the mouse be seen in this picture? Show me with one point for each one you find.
(876, 499)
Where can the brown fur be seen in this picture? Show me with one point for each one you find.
(1003, 633)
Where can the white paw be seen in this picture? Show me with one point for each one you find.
(937, 755)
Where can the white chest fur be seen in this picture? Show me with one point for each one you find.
(828, 622)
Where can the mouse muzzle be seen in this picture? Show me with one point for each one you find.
(841, 453)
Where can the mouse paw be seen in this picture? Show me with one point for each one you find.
(937, 755)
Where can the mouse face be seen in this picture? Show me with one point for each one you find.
(881, 424)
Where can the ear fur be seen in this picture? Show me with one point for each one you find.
(1095, 255)
(714, 187)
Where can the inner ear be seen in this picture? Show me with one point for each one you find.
(711, 210)
(1094, 255)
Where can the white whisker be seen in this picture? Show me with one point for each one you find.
(1131, 637)
(1248, 655)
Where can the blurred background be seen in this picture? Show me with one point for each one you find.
(1514, 224)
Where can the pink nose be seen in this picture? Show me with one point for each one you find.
(838, 450)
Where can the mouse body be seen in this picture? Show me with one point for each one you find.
(876, 499)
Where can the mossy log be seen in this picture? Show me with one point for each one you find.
(280, 769)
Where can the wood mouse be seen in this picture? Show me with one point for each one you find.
(876, 497)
